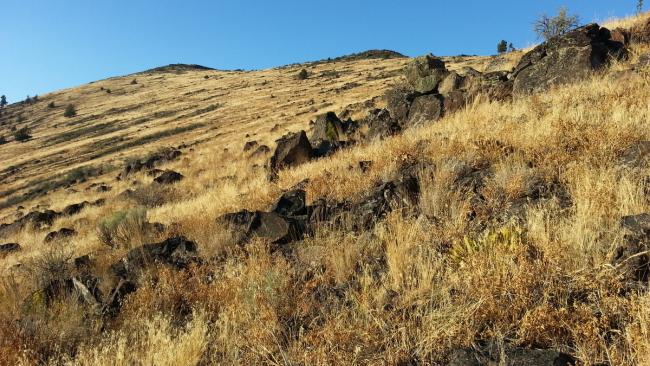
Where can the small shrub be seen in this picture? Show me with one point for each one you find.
(502, 46)
(119, 229)
(70, 111)
(303, 74)
(23, 134)
(134, 82)
(3, 140)
(153, 195)
(108, 91)
(51, 105)
(548, 27)
(507, 237)
(20, 118)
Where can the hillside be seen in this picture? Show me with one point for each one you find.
(512, 227)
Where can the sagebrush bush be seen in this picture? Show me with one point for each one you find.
(120, 229)
(70, 111)
(23, 134)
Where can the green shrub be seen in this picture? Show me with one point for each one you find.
(23, 134)
(502, 47)
(51, 105)
(70, 111)
(119, 229)
(303, 74)
(507, 238)
(3, 140)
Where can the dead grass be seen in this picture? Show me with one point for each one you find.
(529, 272)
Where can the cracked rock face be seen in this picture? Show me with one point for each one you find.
(566, 59)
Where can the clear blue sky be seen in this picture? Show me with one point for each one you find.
(47, 45)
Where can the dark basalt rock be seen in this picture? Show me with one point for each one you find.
(566, 59)
(381, 124)
(169, 177)
(37, 220)
(177, 252)
(250, 145)
(63, 233)
(425, 108)
(149, 162)
(5, 249)
(293, 149)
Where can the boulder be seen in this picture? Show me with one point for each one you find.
(36, 220)
(620, 35)
(381, 124)
(168, 177)
(565, 59)
(425, 108)
(425, 73)
(328, 127)
(63, 233)
(454, 101)
(5, 249)
(451, 83)
(293, 149)
(250, 145)
(398, 103)
(177, 252)
(149, 162)
(74, 208)
(495, 85)
(269, 226)
(291, 204)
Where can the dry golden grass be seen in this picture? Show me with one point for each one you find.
(412, 288)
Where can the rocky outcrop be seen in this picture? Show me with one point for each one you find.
(293, 149)
(63, 233)
(290, 218)
(75, 208)
(36, 220)
(424, 108)
(8, 248)
(168, 177)
(250, 145)
(177, 252)
(150, 162)
(566, 59)
(425, 73)
(381, 124)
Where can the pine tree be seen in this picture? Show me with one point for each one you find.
(3, 101)
(639, 6)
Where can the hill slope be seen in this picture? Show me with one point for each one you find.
(516, 247)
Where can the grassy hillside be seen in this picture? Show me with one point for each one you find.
(532, 268)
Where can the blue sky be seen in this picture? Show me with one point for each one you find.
(47, 45)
